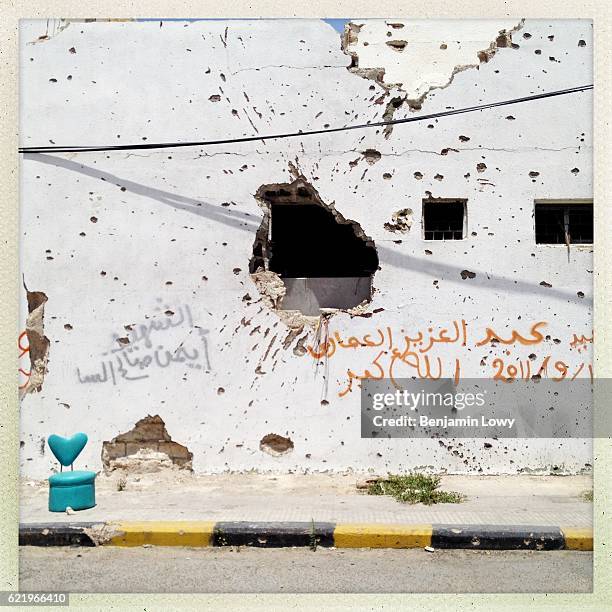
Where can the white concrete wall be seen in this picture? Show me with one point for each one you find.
(166, 238)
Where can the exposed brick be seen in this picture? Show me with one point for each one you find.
(182, 462)
(175, 450)
(132, 448)
(112, 450)
(150, 434)
(149, 429)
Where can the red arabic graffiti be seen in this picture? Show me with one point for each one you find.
(24, 349)
(403, 356)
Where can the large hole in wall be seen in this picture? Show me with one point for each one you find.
(323, 260)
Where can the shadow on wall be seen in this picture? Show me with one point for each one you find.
(250, 223)
(219, 213)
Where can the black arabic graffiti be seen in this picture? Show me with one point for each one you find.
(129, 366)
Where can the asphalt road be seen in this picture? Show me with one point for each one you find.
(297, 570)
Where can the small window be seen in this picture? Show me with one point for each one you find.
(561, 223)
(444, 219)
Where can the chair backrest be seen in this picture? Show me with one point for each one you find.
(66, 450)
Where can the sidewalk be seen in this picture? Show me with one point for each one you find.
(515, 505)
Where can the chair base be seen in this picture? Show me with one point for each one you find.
(78, 497)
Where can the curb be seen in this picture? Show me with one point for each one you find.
(55, 534)
(306, 534)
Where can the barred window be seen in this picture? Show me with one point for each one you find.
(444, 219)
(563, 223)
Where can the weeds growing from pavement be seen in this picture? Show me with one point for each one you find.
(314, 541)
(415, 489)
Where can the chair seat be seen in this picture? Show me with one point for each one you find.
(72, 478)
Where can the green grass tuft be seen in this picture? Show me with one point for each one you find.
(588, 496)
(415, 489)
(314, 541)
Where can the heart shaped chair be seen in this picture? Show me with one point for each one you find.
(76, 488)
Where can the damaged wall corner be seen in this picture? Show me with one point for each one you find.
(147, 447)
(422, 61)
(350, 38)
(38, 343)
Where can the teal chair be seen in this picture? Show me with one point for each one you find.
(76, 488)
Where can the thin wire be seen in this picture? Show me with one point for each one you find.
(204, 143)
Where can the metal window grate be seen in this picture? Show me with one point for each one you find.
(448, 234)
(563, 223)
(444, 220)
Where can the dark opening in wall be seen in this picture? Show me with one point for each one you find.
(323, 259)
(327, 248)
(444, 219)
(563, 223)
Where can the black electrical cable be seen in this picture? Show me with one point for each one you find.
(172, 145)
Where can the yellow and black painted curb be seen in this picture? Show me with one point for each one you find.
(306, 534)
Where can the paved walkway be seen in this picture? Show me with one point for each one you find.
(492, 500)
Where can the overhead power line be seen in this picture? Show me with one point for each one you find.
(204, 143)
